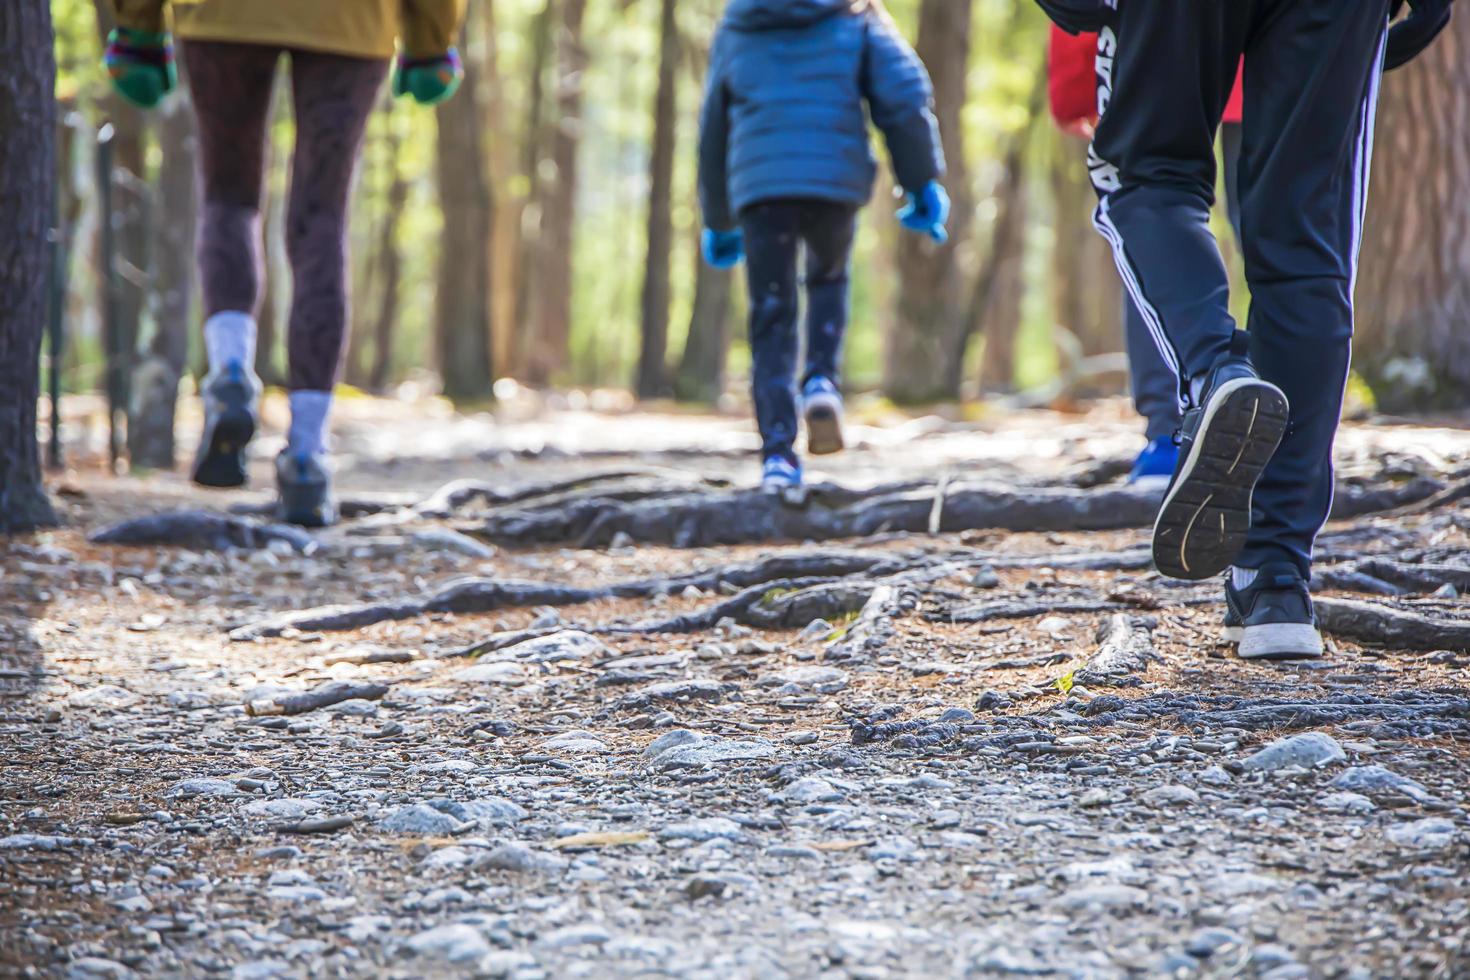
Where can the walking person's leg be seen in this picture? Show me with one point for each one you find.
(771, 244)
(333, 96)
(1312, 76)
(829, 230)
(230, 85)
(1171, 68)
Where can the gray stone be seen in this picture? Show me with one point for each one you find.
(671, 740)
(811, 789)
(203, 786)
(1307, 750)
(1354, 803)
(899, 849)
(420, 818)
(714, 750)
(261, 970)
(1102, 896)
(562, 645)
(580, 935)
(1206, 942)
(287, 808)
(1379, 783)
(513, 856)
(707, 828)
(577, 742)
(1170, 795)
(1429, 834)
(454, 943)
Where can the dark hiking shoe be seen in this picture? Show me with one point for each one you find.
(1224, 444)
(1272, 618)
(821, 403)
(305, 487)
(231, 408)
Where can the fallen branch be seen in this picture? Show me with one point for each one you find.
(322, 696)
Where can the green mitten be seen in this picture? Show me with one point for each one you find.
(429, 80)
(141, 66)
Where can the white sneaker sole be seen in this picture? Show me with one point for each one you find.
(1280, 641)
(1203, 521)
(823, 414)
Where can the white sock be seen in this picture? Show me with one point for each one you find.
(309, 411)
(1242, 578)
(229, 338)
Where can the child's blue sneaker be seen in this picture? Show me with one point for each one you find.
(821, 403)
(1154, 467)
(780, 473)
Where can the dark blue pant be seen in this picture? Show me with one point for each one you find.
(1311, 87)
(1152, 381)
(774, 234)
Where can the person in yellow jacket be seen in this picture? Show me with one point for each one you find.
(339, 52)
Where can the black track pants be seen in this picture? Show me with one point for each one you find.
(1311, 86)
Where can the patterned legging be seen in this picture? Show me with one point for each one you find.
(332, 95)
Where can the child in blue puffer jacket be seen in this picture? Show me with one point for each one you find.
(784, 160)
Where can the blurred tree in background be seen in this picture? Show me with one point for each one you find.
(543, 226)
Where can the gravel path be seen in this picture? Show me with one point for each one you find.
(890, 794)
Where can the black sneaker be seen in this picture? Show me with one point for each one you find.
(1272, 618)
(231, 407)
(1224, 444)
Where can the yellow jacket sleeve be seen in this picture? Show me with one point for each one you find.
(431, 27)
(140, 15)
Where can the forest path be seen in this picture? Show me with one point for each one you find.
(1003, 753)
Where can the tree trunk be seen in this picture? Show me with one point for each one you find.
(27, 171)
(701, 376)
(463, 301)
(932, 297)
(1413, 298)
(652, 380)
(391, 269)
(156, 382)
(531, 217)
(1001, 317)
(549, 280)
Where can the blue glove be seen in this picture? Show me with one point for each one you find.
(927, 212)
(723, 249)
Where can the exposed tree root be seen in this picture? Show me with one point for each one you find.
(1400, 578)
(202, 530)
(696, 519)
(822, 513)
(479, 595)
(869, 634)
(1405, 713)
(1125, 651)
(1353, 500)
(613, 484)
(1385, 626)
(474, 595)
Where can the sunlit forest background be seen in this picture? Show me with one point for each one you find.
(541, 229)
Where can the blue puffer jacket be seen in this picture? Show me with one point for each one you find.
(784, 112)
